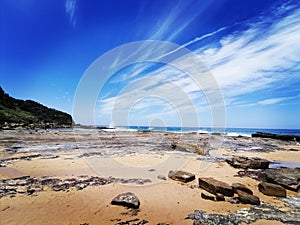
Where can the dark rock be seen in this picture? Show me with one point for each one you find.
(241, 187)
(161, 177)
(219, 197)
(207, 195)
(30, 191)
(128, 199)
(286, 177)
(248, 163)
(181, 176)
(248, 198)
(214, 186)
(271, 189)
(277, 136)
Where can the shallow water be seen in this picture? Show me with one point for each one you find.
(279, 164)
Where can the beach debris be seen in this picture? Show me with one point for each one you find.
(207, 195)
(277, 136)
(288, 178)
(271, 189)
(161, 177)
(247, 198)
(215, 186)
(181, 146)
(247, 215)
(248, 163)
(181, 176)
(241, 187)
(128, 199)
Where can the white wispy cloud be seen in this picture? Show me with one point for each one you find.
(272, 101)
(70, 7)
(266, 55)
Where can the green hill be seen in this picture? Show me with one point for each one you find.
(15, 112)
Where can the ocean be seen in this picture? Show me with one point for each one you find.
(225, 131)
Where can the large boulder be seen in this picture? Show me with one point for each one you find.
(248, 163)
(286, 177)
(248, 198)
(182, 176)
(215, 186)
(128, 199)
(241, 187)
(271, 189)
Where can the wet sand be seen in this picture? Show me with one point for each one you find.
(144, 155)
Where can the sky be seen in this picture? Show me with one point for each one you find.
(250, 49)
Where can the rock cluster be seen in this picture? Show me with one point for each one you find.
(29, 185)
(247, 215)
(218, 189)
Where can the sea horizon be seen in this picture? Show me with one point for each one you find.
(228, 131)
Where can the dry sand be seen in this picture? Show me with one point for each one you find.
(161, 201)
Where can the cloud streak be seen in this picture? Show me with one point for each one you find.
(264, 56)
(70, 7)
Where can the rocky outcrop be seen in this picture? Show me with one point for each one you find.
(241, 187)
(277, 136)
(271, 189)
(248, 163)
(247, 216)
(181, 146)
(215, 186)
(181, 176)
(29, 185)
(286, 177)
(247, 198)
(128, 199)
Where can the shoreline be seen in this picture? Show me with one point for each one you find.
(63, 154)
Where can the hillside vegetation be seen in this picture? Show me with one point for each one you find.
(15, 112)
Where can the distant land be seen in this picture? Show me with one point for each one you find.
(16, 113)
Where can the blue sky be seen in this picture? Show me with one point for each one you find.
(250, 47)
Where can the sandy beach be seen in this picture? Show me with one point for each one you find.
(134, 160)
